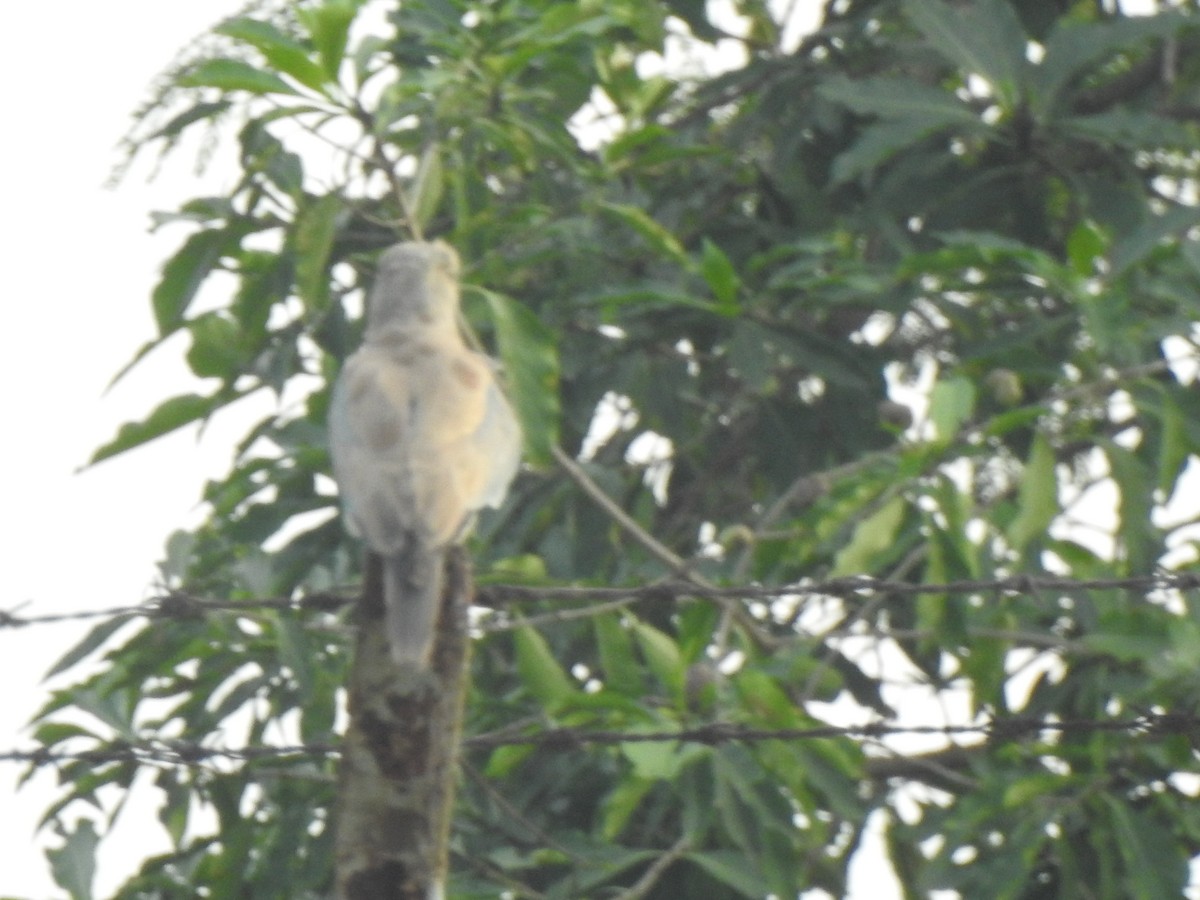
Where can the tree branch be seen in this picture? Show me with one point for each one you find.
(626, 522)
(657, 869)
(400, 752)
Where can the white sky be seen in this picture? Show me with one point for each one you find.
(80, 269)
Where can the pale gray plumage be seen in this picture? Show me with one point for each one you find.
(421, 436)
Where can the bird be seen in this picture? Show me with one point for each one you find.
(421, 437)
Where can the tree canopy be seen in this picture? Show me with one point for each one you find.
(898, 299)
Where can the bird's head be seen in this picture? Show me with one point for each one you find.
(416, 284)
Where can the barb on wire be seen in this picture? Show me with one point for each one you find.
(180, 605)
(1004, 729)
(854, 586)
(169, 753)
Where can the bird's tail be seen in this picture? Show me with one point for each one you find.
(412, 593)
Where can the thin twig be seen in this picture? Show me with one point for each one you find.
(816, 484)
(860, 588)
(389, 171)
(732, 610)
(657, 549)
(562, 615)
(656, 870)
(810, 487)
(380, 161)
(1001, 729)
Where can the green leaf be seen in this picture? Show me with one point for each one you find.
(984, 38)
(214, 352)
(733, 869)
(879, 143)
(872, 537)
(1032, 788)
(503, 761)
(1085, 247)
(558, 24)
(695, 13)
(313, 233)
(663, 657)
(625, 149)
(1014, 420)
(721, 277)
(1073, 46)
(329, 26)
(429, 184)
(1183, 658)
(196, 113)
(235, 75)
(655, 760)
(1037, 501)
(660, 239)
(646, 298)
(1131, 249)
(285, 170)
(530, 356)
(166, 417)
(284, 53)
(765, 700)
(619, 665)
(115, 708)
(694, 624)
(74, 864)
(182, 276)
(990, 245)
(1141, 541)
(543, 677)
(622, 803)
(1153, 861)
(296, 655)
(918, 105)
(1129, 648)
(934, 612)
(48, 734)
(1129, 128)
(1175, 446)
(90, 643)
(951, 405)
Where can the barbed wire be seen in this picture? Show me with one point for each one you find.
(1155, 726)
(1007, 728)
(181, 605)
(166, 752)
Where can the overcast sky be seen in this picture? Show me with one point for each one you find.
(79, 268)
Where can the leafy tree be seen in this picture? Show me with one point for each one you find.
(886, 302)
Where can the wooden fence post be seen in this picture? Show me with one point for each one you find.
(400, 752)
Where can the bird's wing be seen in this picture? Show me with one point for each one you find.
(373, 416)
(498, 436)
(457, 461)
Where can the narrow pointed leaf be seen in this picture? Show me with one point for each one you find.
(1037, 501)
(167, 417)
(984, 38)
(235, 75)
(530, 357)
(283, 52)
(182, 276)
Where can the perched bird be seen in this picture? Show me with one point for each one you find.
(420, 434)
